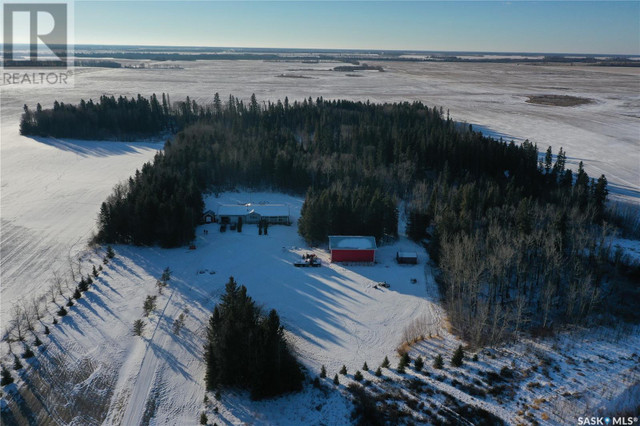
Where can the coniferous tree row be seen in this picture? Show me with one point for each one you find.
(108, 118)
(247, 348)
(363, 210)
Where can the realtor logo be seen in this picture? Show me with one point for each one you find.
(35, 35)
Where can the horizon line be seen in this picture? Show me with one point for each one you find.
(329, 49)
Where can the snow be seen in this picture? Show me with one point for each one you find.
(334, 315)
(407, 254)
(51, 190)
(630, 248)
(351, 242)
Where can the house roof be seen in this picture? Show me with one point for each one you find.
(267, 210)
(208, 212)
(351, 242)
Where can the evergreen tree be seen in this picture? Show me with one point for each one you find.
(61, 312)
(600, 195)
(82, 286)
(548, 158)
(95, 271)
(323, 372)
(343, 370)
(438, 362)
(358, 376)
(385, 363)
(365, 367)
(77, 294)
(418, 363)
(17, 364)
(28, 353)
(138, 327)
(458, 357)
(336, 381)
(166, 275)
(378, 372)
(37, 342)
(6, 379)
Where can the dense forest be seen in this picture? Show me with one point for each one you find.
(521, 241)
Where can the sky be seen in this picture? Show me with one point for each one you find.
(611, 27)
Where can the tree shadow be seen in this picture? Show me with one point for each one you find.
(92, 148)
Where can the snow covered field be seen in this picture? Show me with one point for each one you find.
(52, 189)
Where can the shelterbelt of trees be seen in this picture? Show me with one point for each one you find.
(521, 243)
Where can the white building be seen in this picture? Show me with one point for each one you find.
(253, 213)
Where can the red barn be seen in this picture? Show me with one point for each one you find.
(350, 248)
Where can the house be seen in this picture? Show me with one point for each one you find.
(208, 217)
(407, 257)
(254, 213)
(351, 248)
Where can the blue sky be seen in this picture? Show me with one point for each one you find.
(515, 26)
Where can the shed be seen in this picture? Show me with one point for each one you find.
(208, 217)
(407, 257)
(352, 248)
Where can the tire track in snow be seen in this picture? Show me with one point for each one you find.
(146, 376)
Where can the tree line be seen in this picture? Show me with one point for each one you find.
(330, 149)
(108, 118)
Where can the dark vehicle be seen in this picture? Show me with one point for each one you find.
(223, 227)
(308, 260)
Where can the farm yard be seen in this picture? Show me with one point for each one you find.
(335, 315)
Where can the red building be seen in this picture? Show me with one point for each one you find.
(350, 248)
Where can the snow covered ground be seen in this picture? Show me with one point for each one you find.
(334, 315)
(51, 192)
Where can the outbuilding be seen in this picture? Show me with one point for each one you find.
(407, 257)
(208, 217)
(352, 248)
